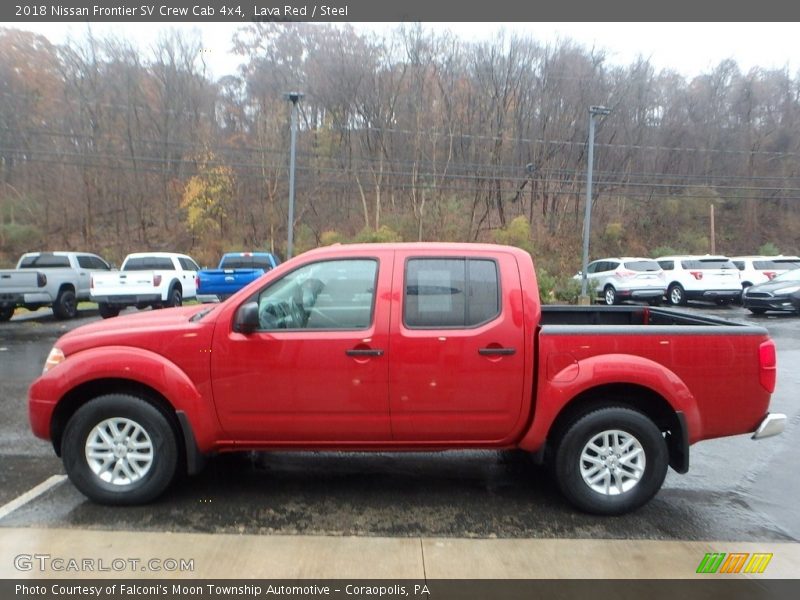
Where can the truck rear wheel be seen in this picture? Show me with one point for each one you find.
(611, 461)
(119, 449)
(66, 305)
(6, 312)
(175, 298)
(107, 311)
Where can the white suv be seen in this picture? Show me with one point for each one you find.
(761, 269)
(626, 278)
(709, 278)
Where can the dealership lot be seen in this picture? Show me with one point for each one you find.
(736, 489)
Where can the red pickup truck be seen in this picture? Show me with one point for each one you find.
(402, 347)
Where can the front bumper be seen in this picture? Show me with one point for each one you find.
(773, 424)
(786, 302)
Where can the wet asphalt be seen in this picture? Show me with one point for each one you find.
(737, 489)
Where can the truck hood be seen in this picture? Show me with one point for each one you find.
(151, 330)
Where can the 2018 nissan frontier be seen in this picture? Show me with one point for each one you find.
(385, 347)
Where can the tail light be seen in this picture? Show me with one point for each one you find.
(770, 274)
(767, 363)
(41, 279)
(156, 280)
(697, 274)
(197, 282)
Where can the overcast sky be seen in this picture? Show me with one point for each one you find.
(688, 48)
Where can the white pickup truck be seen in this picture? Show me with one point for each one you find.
(57, 279)
(155, 279)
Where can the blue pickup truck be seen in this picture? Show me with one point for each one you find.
(235, 270)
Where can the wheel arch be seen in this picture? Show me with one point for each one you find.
(640, 398)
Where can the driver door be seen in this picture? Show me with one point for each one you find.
(316, 370)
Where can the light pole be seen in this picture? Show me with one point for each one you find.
(587, 220)
(294, 98)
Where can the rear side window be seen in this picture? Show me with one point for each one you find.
(246, 262)
(667, 265)
(784, 263)
(45, 261)
(450, 292)
(187, 264)
(92, 262)
(642, 265)
(707, 263)
(739, 264)
(149, 263)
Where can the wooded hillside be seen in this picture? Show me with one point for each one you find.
(111, 148)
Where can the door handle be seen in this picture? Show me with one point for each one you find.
(496, 351)
(363, 352)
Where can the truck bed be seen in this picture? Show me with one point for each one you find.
(626, 315)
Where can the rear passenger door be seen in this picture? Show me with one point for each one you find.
(457, 355)
(188, 276)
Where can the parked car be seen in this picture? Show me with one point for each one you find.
(760, 269)
(155, 279)
(57, 279)
(388, 347)
(235, 270)
(708, 278)
(617, 279)
(781, 293)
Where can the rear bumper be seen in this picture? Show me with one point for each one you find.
(15, 299)
(714, 294)
(772, 424)
(642, 293)
(128, 300)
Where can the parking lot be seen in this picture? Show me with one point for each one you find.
(736, 490)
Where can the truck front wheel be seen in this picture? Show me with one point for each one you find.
(119, 449)
(6, 312)
(611, 461)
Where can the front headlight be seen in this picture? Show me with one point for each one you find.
(55, 357)
(788, 290)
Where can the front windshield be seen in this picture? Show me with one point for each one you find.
(793, 275)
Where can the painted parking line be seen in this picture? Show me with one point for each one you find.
(32, 493)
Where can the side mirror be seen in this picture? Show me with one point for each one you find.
(246, 320)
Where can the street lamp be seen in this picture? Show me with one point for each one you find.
(587, 220)
(294, 98)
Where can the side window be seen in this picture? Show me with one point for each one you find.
(611, 265)
(335, 294)
(667, 265)
(85, 262)
(92, 262)
(450, 292)
(740, 264)
(592, 267)
(188, 264)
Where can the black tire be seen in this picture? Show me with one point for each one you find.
(757, 311)
(157, 431)
(175, 297)
(6, 312)
(107, 311)
(66, 305)
(569, 460)
(656, 302)
(610, 295)
(676, 295)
